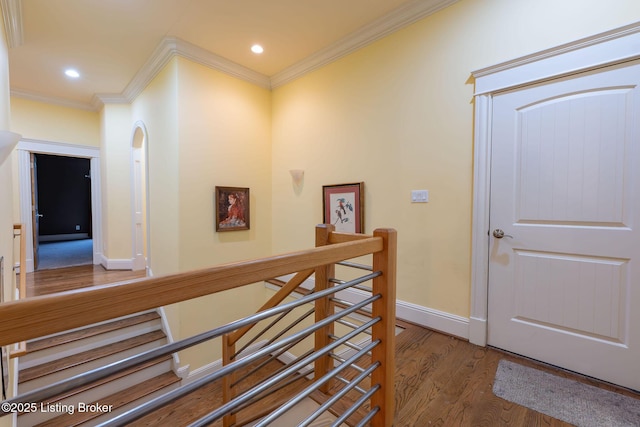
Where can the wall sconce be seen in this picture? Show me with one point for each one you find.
(297, 175)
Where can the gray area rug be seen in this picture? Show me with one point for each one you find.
(567, 400)
(65, 254)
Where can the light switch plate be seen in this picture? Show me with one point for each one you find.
(419, 196)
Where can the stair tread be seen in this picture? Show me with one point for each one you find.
(87, 356)
(104, 380)
(115, 401)
(89, 331)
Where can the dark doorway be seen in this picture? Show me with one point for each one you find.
(63, 193)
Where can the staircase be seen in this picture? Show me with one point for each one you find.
(60, 356)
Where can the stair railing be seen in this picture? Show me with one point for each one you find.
(327, 364)
(67, 310)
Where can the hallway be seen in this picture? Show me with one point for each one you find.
(440, 380)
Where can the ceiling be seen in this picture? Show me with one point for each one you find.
(119, 45)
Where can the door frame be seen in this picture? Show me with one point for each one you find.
(601, 50)
(25, 148)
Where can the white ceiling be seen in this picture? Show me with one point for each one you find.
(119, 45)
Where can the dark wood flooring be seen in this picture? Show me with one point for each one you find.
(440, 380)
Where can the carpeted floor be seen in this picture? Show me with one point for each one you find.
(567, 400)
(65, 254)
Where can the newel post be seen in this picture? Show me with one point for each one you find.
(385, 307)
(324, 307)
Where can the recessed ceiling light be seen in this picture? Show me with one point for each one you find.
(72, 73)
(256, 48)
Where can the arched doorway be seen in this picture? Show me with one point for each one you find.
(139, 196)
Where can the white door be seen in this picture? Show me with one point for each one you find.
(564, 280)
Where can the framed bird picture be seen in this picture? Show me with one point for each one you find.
(343, 206)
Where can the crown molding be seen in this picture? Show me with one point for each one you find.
(19, 93)
(170, 47)
(201, 56)
(382, 27)
(12, 13)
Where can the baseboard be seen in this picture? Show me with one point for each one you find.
(478, 331)
(167, 331)
(216, 365)
(441, 321)
(116, 264)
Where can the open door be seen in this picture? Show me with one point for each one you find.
(34, 209)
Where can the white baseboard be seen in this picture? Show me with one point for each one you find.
(441, 321)
(478, 331)
(116, 264)
(208, 369)
(447, 323)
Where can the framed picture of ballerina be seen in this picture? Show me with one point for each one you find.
(343, 206)
(232, 208)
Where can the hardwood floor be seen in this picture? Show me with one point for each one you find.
(440, 380)
(45, 282)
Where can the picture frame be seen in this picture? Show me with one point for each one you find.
(343, 206)
(232, 208)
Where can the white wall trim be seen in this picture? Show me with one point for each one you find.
(116, 264)
(20, 93)
(27, 146)
(216, 365)
(609, 48)
(164, 324)
(169, 47)
(480, 228)
(58, 148)
(447, 323)
(399, 18)
(12, 13)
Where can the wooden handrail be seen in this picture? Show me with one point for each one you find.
(21, 350)
(43, 315)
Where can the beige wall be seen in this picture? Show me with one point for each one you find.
(55, 123)
(115, 169)
(205, 129)
(156, 108)
(5, 118)
(398, 115)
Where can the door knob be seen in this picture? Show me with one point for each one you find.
(499, 234)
